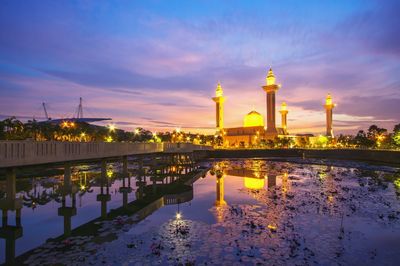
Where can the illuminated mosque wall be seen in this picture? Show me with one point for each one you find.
(254, 130)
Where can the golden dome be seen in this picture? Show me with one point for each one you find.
(253, 119)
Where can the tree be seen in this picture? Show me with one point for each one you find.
(396, 128)
(361, 140)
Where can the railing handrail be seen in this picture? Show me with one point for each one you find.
(28, 152)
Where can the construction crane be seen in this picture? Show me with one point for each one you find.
(80, 109)
(45, 111)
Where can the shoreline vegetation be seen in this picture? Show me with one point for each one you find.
(374, 138)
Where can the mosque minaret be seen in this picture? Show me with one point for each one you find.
(284, 111)
(219, 100)
(329, 105)
(271, 88)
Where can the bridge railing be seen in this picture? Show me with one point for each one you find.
(19, 153)
(16, 153)
(184, 147)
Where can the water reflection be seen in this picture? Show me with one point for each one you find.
(239, 204)
(110, 184)
(11, 204)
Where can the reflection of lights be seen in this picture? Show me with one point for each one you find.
(178, 216)
(272, 227)
(330, 198)
(254, 183)
(397, 183)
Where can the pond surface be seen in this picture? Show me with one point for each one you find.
(241, 212)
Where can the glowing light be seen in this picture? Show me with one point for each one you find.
(108, 139)
(136, 131)
(178, 216)
(111, 127)
(83, 187)
(253, 119)
(154, 134)
(109, 173)
(272, 227)
(218, 91)
(328, 101)
(270, 77)
(178, 130)
(283, 107)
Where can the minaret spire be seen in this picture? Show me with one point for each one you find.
(219, 100)
(284, 111)
(329, 105)
(271, 88)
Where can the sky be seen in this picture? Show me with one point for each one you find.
(156, 64)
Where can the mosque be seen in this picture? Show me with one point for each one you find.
(254, 130)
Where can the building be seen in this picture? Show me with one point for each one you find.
(254, 131)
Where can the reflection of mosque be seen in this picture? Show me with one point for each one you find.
(252, 179)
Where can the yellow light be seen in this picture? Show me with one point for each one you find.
(178, 215)
(136, 131)
(178, 130)
(270, 77)
(218, 91)
(109, 139)
(272, 227)
(111, 127)
(72, 124)
(154, 134)
(188, 138)
(328, 100)
(83, 187)
(109, 173)
(283, 107)
(83, 134)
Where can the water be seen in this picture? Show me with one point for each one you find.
(254, 211)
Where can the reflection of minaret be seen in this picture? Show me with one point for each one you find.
(271, 88)
(271, 181)
(11, 232)
(219, 100)
(329, 115)
(219, 201)
(103, 197)
(284, 111)
(125, 190)
(67, 189)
